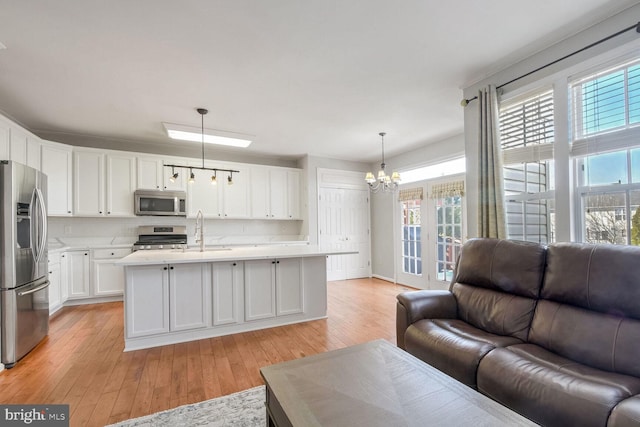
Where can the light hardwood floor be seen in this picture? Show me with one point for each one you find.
(82, 363)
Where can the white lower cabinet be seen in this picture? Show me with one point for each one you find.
(108, 277)
(78, 277)
(188, 296)
(147, 301)
(166, 298)
(273, 288)
(227, 279)
(55, 271)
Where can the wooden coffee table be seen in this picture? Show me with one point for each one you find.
(374, 384)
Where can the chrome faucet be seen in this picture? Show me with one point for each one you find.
(200, 229)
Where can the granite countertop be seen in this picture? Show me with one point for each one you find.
(212, 254)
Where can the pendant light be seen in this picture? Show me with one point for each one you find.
(384, 182)
(192, 177)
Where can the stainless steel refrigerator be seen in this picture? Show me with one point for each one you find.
(24, 297)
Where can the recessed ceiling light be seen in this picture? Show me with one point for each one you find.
(211, 136)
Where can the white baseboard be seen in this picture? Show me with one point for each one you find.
(388, 279)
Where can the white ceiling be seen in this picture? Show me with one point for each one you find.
(321, 77)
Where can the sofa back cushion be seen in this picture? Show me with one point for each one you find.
(589, 310)
(497, 283)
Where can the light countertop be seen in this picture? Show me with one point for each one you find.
(191, 255)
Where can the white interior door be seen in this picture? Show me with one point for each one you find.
(331, 229)
(344, 225)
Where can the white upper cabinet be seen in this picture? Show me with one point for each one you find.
(120, 184)
(13, 144)
(103, 185)
(18, 150)
(56, 163)
(220, 200)
(236, 200)
(149, 173)
(294, 186)
(5, 142)
(180, 182)
(88, 183)
(33, 153)
(275, 193)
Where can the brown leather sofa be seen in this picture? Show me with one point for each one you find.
(550, 332)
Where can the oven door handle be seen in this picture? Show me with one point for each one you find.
(34, 290)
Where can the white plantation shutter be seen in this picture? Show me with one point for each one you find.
(527, 130)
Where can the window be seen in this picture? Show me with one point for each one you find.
(608, 100)
(609, 193)
(527, 134)
(606, 123)
(411, 237)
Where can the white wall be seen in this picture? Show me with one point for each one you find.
(382, 205)
(565, 47)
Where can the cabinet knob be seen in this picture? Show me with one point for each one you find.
(273, 262)
(171, 267)
(68, 211)
(100, 212)
(109, 213)
(234, 264)
(277, 262)
(225, 214)
(51, 272)
(112, 254)
(164, 268)
(85, 254)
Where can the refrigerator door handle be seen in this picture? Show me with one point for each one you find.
(34, 226)
(43, 220)
(34, 290)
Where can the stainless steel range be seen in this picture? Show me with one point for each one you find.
(161, 237)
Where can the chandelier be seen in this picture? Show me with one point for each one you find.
(384, 182)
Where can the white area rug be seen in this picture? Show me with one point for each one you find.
(245, 408)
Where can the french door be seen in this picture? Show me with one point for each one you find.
(431, 233)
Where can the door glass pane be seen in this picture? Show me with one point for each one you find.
(449, 232)
(605, 218)
(634, 200)
(411, 225)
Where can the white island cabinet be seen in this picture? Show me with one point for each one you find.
(176, 296)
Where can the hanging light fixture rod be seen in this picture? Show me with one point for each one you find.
(174, 175)
(202, 168)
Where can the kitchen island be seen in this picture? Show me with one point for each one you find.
(174, 296)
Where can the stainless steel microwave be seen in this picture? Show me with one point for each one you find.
(160, 203)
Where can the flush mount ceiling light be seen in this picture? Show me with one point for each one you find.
(192, 177)
(211, 136)
(384, 182)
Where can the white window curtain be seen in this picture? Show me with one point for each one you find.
(491, 212)
(410, 194)
(448, 189)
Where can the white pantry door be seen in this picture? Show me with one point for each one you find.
(343, 219)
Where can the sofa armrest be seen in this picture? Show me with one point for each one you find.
(415, 305)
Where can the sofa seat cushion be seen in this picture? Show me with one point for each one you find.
(550, 389)
(626, 414)
(453, 346)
